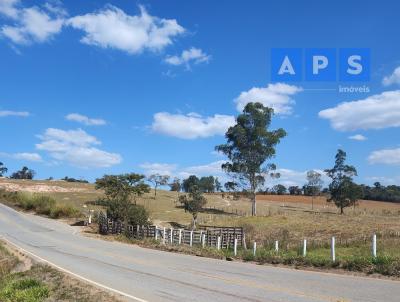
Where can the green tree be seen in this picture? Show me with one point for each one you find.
(207, 184)
(230, 186)
(294, 190)
(24, 173)
(314, 184)
(158, 180)
(217, 185)
(193, 202)
(3, 169)
(279, 189)
(343, 191)
(249, 145)
(189, 182)
(175, 185)
(119, 191)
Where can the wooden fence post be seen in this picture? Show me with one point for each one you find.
(235, 246)
(164, 233)
(374, 245)
(254, 248)
(333, 256)
(180, 237)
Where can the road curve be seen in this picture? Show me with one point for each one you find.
(149, 275)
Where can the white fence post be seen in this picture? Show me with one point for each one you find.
(191, 238)
(333, 256)
(180, 237)
(164, 233)
(304, 247)
(374, 246)
(203, 240)
(90, 219)
(156, 234)
(235, 247)
(218, 243)
(276, 246)
(254, 248)
(172, 236)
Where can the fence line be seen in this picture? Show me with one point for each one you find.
(206, 237)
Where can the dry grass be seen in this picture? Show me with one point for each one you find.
(42, 283)
(281, 217)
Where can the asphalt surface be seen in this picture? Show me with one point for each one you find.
(149, 275)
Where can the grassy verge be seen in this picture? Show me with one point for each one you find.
(354, 258)
(40, 204)
(42, 283)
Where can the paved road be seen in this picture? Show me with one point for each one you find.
(151, 275)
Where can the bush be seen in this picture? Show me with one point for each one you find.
(64, 210)
(25, 290)
(40, 204)
(24, 200)
(138, 215)
(43, 204)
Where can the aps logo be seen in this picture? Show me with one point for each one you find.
(320, 64)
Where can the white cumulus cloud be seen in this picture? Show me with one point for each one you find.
(32, 24)
(277, 96)
(358, 137)
(26, 156)
(83, 119)
(158, 168)
(4, 113)
(289, 177)
(192, 125)
(385, 156)
(375, 112)
(213, 168)
(192, 55)
(8, 8)
(77, 148)
(394, 78)
(111, 27)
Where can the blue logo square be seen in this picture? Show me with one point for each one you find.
(286, 64)
(320, 64)
(354, 64)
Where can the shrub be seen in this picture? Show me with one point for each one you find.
(43, 204)
(137, 215)
(64, 210)
(24, 200)
(24, 290)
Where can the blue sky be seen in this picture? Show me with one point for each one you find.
(95, 87)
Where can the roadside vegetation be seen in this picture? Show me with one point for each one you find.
(40, 283)
(40, 204)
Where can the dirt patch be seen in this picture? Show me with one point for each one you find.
(322, 201)
(37, 188)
